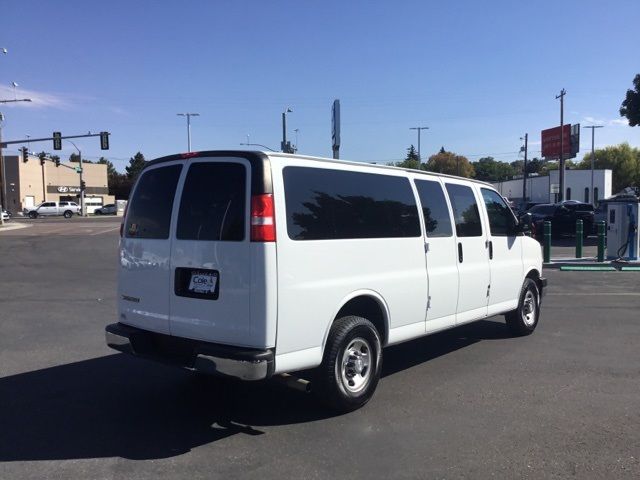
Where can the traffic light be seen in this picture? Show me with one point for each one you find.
(56, 159)
(57, 141)
(25, 154)
(83, 186)
(42, 157)
(104, 140)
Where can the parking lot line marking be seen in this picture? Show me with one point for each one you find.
(105, 231)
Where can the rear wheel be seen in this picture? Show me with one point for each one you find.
(524, 319)
(68, 214)
(98, 212)
(33, 214)
(351, 366)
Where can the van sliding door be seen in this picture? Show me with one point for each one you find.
(472, 255)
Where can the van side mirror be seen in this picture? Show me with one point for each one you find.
(524, 223)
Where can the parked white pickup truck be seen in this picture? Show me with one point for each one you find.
(66, 209)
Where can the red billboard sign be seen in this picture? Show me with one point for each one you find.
(551, 142)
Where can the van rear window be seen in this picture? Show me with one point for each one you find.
(324, 204)
(213, 203)
(150, 208)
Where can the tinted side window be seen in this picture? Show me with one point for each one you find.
(434, 207)
(150, 208)
(327, 204)
(501, 220)
(465, 210)
(213, 203)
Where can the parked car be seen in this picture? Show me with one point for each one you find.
(109, 209)
(271, 263)
(45, 209)
(563, 217)
(6, 215)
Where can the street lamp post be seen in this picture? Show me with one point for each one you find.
(419, 129)
(593, 158)
(188, 115)
(285, 147)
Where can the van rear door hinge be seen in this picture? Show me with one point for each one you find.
(428, 302)
(426, 247)
(488, 290)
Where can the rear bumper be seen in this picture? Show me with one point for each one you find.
(243, 363)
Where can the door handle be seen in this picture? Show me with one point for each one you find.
(490, 250)
(460, 256)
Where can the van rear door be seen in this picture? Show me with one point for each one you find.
(145, 248)
(211, 255)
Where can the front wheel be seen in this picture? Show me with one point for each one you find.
(68, 214)
(350, 369)
(33, 214)
(524, 319)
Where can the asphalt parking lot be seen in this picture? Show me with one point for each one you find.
(468, 403)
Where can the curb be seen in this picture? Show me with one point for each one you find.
(590, 265)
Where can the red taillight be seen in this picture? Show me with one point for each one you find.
(189, 154)
(263, 220)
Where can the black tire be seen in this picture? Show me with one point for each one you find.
(524, 319)
(68, 214)
(97, 212)
(348, 386)
(33, 214)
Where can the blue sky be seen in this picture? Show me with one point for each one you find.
(479, 74)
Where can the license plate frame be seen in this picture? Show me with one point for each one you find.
(197, 283)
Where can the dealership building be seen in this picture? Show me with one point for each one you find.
(546, 189)
(29, 183)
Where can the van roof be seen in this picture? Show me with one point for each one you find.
(263, 154)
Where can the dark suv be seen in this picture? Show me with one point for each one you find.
(563, 217)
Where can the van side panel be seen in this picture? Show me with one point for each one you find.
(315, 276)
(264, 294)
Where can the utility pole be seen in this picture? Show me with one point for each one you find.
(4, 179)
(285, 147)
(593, 159)
(419, 129)
(188, 115)
(561, 164)
(524, 179)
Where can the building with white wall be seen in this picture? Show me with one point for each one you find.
(544, 189)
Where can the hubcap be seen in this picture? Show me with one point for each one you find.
(356, 365)
(529, 309)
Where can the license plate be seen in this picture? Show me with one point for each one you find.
(203, 282)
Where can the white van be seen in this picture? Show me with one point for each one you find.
(256, 264)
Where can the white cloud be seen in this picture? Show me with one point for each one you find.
(618, 121)
(38, 99)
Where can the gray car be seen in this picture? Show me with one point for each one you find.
(109, 209)
(45, 209)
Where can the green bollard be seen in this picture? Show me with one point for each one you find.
(601, 239)
(579, 232)
(547, 242)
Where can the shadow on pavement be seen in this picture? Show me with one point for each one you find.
(118, 406)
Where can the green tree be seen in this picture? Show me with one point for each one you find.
(74, 157)
(136, 164)
(623, 160)
(630, 107)
(111, 169)
(489, 169)
(450, 163)
(411, 160)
